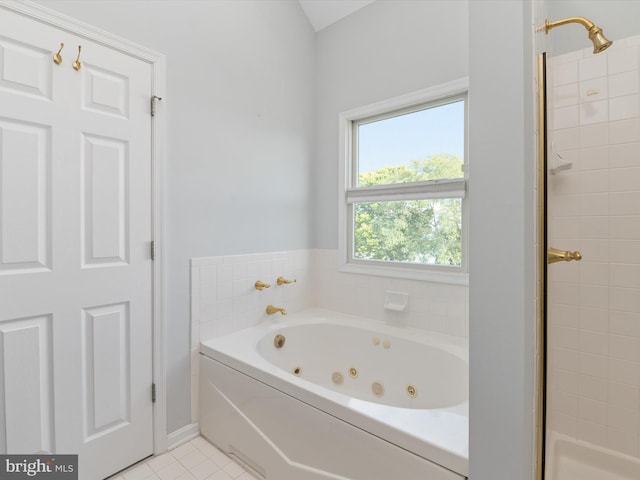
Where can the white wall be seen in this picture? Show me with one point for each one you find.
(502, 269)
(384, 50)
(240, 137)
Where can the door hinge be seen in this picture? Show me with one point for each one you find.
(153, 104)
(153, 249)
(153, 393)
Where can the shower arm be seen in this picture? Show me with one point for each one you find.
(600, 42)
(581, 20)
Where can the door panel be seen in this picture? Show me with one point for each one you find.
(25, 165)
(105, 236)
(106, 92)
(26, 385)
(75, 267)
(106, 364)
(25, 68)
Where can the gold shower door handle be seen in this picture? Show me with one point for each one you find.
(554, 255)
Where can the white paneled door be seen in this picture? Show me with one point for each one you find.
(75, 263)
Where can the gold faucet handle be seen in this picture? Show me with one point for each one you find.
(261, 285)
(284, 281)
(555, 255)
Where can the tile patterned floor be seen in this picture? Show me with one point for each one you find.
(194, 460)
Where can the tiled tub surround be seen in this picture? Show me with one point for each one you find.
(224, 298)
(594, 207)
(437, 307)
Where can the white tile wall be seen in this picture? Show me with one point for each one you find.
(432, 306)
(224, 298)
(594, 305)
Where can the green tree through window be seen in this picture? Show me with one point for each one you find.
(411, 231)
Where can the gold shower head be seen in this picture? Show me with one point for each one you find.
(600, 42)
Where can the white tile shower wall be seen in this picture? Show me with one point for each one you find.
(594, 305)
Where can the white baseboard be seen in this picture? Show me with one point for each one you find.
(183, 435)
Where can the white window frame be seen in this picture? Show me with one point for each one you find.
(451, 91)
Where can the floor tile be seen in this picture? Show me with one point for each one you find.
(194, 460)
(204, 470)
(183, 450)
(172, 472)
(161, 461)
(139, 472)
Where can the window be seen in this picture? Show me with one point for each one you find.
(403, 208)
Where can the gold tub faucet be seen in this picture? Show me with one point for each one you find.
(271, 310)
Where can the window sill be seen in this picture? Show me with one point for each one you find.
(452, 278)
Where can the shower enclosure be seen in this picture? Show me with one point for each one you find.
(591, 176)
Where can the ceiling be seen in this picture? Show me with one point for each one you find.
(322, 13)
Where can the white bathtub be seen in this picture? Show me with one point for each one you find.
(344, 398)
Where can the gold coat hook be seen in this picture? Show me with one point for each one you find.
(57, 58)
(77, 64)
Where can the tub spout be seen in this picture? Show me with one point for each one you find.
(271, 310)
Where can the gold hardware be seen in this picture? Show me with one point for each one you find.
(271, 310)
(337, 378)
(377, 388)
(57, 58)
(77, 64)
(600, 42)
(554, 255)
(386, 344)
(412, 391)
(261, 285)
(278, 341)
(581, 20)
(297, 371)
(284, 281)
(541, 253)
(376, 341)
(353, 372)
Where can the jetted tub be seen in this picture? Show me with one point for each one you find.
(322, 395)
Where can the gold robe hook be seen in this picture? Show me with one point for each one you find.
(77, 64)
(57, 58)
